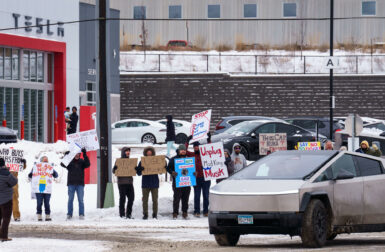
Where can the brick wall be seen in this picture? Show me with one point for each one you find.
(154, 96)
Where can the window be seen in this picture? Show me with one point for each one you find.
(306, 124)
(40, 67)
(380, 126)
(91, 93)
(1, 63)
(250, 10)
(178, 124)
(50, 68)
(267, 128)
(288, 129)
(15, 64)
(26, 65)
(368, 8)
(121, 125)
(32, 66)
(139, 12)
(344, 163)
(214, 11)
(234, 122)
(175, 11)
(289, 10)
(368, 167)
(7, 63)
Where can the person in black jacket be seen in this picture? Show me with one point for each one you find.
(75, 182)
(170, 134)
(74, 121)
(7, 181)
(126, 189)
(181, 193)
(150, 184)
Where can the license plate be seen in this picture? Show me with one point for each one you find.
(245, 219)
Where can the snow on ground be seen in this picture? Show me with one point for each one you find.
(264, 62)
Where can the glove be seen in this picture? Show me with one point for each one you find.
(174, 174)
(189, 138)
(209, 137)
(374, 147)
(139, 168)
(114, 168)
(84, 151)
(66, 153)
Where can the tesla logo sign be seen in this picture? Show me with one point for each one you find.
(39, 24)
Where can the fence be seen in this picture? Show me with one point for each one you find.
(249, 63)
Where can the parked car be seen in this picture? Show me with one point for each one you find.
(137, 131)
(314, 194)
(229, 121)
(7, 135)
(310, 124)
(182, 129)
(247, 135)
(366, 120)
(380, 126)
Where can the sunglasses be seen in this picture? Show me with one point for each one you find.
(237, 148)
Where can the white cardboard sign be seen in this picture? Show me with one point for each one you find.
(85, 139)
(13, 158)
(42, 178)
(74, 149)
(200, 125)
(213, 161)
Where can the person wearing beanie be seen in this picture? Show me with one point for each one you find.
(181, 194)
(7, 181)
(366, 149)
(202, 186)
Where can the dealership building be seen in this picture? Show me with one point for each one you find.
(47, 64)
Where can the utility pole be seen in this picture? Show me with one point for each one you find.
(332, 100)
(103, 107)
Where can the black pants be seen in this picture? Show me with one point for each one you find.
(182, 193)
(126, 190)
(5, 218)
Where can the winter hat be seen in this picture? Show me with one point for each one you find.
(196, 143)
(182, 147)
(2, 162)
(365, 142)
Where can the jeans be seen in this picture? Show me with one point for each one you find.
(79, 189)
(43, 198)
(5, 218)
(126, 190)
(204, 187)
(154, 196)
(170, 145)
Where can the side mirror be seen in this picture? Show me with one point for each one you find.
(253, 135)
(343, 174)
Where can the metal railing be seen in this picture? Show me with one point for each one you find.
(250, 64)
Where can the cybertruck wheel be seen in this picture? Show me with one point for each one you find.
(227, 239)
(314, 225)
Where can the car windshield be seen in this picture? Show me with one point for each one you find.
(285, 165)
(243, 128)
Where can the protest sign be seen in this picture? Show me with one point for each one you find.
(85, 139)
(13, 158)
(153, 165)
(213, 161)
(272, 142)
(185, 167)
(200, 125)
(42, 176)
(309, 146)
(74, 149)
(126, 167)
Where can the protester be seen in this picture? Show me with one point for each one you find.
(42, 188)
(126, 189)
(229, 164)
(150, 184)
(374, 151)
(170, 134)
(75, 182)
(15, 199)
(181, 193)
(7, 181)
(74, 121)
(67, 114)
(328, 145)
(238, 158)
(201, 186)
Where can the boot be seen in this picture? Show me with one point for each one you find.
(197, 215)
(145, 217)
(128, 216)
(69, 217)
(39, 217)
(48, 217)
(206, 215)
(174, 216)
(6, 239)
(154, 216)
(184, 215)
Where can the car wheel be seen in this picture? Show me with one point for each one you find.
(148, 138)
(332, 237)
(180, 138)
(244, 152)
(227, 239)
(314, 225)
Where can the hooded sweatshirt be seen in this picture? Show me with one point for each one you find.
(124, 180)
(170, 134)
(238, 159)
(149, 181)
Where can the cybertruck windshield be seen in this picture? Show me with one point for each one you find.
(286, 165)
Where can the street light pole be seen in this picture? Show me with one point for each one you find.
(331, 70)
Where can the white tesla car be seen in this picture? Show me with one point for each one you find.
(137, 131)
(182, 129)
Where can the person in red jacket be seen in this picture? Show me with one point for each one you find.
(202, 186)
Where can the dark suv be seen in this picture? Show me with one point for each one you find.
(227, 122)
(310, 123)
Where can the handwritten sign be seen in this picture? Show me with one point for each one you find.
(85, 139)
(185, 167)
(309, 146)
(200, 125)
(213, 161)
(272, 142)
(13, 158)
(153, 165)
(42, 176)
(126, 167)
(74, 149)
